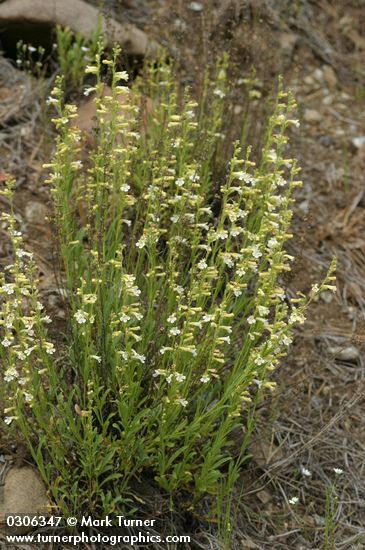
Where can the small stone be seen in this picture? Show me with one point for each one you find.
(35, 212)
(288, 41)
(318, 74)
(327, 100)
(23, 493)
(304, 206)
(358, 142)
(326, 141)
(344, 353)
(264, 496)
(316, 402)
(311, 116)
(309, 80)
(180, 24)
(319, 520)
(326, 296)
(329, 76)
(196, 6)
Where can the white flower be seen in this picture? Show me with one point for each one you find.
(172, 318)
(50, 349)
(124, 355)
(141, 243)
(20, 253)
(76, 164)
(180, 377)
(176, 142)
(221, 235)
(296, 316)
(259, 361)
(180, 182)
(9, 419)
(247, 178)
(28, 397)
(272, 156)
(272, 242)
(219, 93)
(8, 289)
(207, 318)
(179, 289)
(138, 356)
(125, 187)
(263, 310)
(237, 292)
(88, 91)
(182, 402)
(124, 318)
(10, 374)
(81, 317)
(293, 500)
(202, 264)
(241, 272)
(338, 471)
(305, 472)
(97, 358)
(175, 218)
(205, 378)
(122, 75)
(158, 372)
(85, 49)
(227, 260)
(174, 331)
(32, 49)
(189, 114)
(251, 320)
(194, 178)
(6, 342)
(256, 252)
(286, 340)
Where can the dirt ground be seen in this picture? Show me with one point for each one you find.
(315, 421)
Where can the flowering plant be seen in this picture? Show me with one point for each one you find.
(176, 312)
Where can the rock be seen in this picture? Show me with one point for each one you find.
(309, 80)
(326, 141)
(318, 74)
(344, 353)
(264, 453)
(329, 76)
(327, 296)
(358, 142)
(263, 496)
(316, 402)
(35, 212)
(304, 206)
(196, 6)
(79, 16)
(312, 116)
(23, 493)
(327, 100)
(288, 41)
